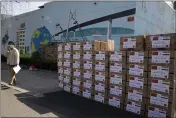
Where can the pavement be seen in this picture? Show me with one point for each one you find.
(38, 95)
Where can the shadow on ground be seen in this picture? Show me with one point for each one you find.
(65, 104)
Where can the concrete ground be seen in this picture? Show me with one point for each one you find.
(37, 95)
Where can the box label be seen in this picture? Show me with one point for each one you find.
(99, 98)
(67, 63)
(156, 112)
(160, 85)
(159, 72)
(76, 90)
(100, 66)
(87, 94)
(76, 47)
(67, 55)
(76, 55)
(116, 79)
(100, 55)
(76, 64)
(135, 95)
(60, 56)
(160, 41)
(100, 87)
(76, 82)
(100, 76)
(67, 79)
(133, 107)
(87, 74)
(117, 56)
(159, 99)
(87, 65)
(60, 77)
(67, 71)
(160, 57)
(136, 70)
(59, 63)
(67, 88)
(136, 57)
(87, 84)
(61, 85)
(129, 43)
(114, 101)
(67, 47)
(76, 73)
(136, 82)
(59, 48)
(116, 90)
(116, 67)
(87, 46)
(60, 70)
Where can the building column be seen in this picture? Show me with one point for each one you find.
(109, 29)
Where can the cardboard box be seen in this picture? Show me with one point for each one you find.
(67, 79)
(76, 64)
(76, 90)
(77, 46)
(100, 96)
(136, 69)
(88, 55)
(67, 63)
(60, 70)
(107, 45)
(100, 66)
(67, 87)
(132, 43)
(77, 81)
(67, 71)
(97, 45)
(77, 73)
(60, 77)
(117, 56)
(101, 56)
(116, 67)
(136, 82)
(100, 86)
(67, 46)
(67, 55)
(87, 93)
(87, 74)
(116, 101)
(60, 55)
(161, 41)
(60, 47)
(116, 90)
(117, 79)
(77, 55)
(134, 107)
(88, 45)
(88, 65)
(159, 71)
(61, 84)
(101, 76)
(88, 84)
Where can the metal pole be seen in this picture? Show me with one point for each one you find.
(109, 29)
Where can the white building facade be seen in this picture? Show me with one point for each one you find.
(98, 20)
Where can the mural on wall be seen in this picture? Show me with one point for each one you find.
(40, 36)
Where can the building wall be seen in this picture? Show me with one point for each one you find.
(154, 18)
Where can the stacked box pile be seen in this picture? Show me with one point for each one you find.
(60, 65)
(136, 74)
(67, 66)
(117, 76)
(161, 78)
(77, 68)
(88, 70)
(101, 76)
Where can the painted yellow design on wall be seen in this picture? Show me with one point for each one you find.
(44, 42)
(33, 47)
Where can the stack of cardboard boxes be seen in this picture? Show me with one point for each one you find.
(136, 74)
(60, 65)
(67, 66)
(161, 78)
(101, 76)
(117, 76)
(88, 70)
(77, 68)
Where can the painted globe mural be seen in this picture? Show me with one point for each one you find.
(40, 36)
